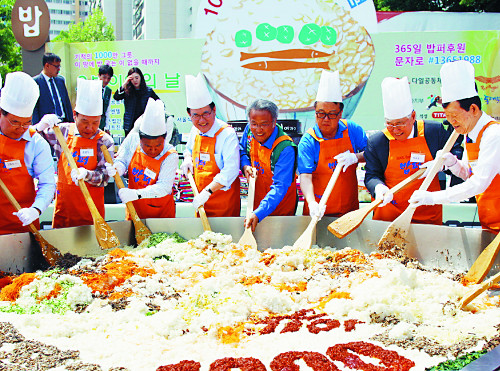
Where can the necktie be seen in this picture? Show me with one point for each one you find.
(56, 99)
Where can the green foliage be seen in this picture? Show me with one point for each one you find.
(10, 51)
(459, 363)
(438, 5)
(156, 238)
(94, 28)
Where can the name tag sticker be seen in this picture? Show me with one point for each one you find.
(150, 173)
(87, 152)
(417, 157)
(12, 164)
(205, 157)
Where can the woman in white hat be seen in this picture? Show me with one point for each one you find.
(24, 155)
(212, 153)
(151, 163)
(480, 167)
(395, 153)
(332, 142)
(84, 140)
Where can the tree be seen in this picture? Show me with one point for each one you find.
(438, 5)
(94, 28)
(10, 51)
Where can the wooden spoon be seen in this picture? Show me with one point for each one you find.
(141, 231)
(476, 292)
(484, 262)
(396, 232)
(248, 238)
(305, 239)
(106, 238)
(201, 209)
(353, 219)
(50, 253)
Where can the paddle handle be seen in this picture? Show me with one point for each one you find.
(201, 209)
(16, 205)
(438, 163)
(251, 192)
(119, 183)
(484, 261)
(484, 286)
(330, 185)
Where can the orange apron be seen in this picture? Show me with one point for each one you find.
(70, 208)
(399, 168)
(220, 203)
(260, 157)
(488, 202)
(14, 174)
(344, 196)
(140, 166)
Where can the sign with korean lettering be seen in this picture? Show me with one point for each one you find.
(419, 56)
(30, 23)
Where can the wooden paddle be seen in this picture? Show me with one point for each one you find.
(305, 239)
(141, 231)
(353, 219)
(484, 262)
(106, 238)
(201, 209)
(476, 292)
(396, 232)
(50, 253)
(248, 238)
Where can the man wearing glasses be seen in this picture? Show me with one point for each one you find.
(24, 155)
(395, 153)
(330, 143)
(211, 153)
(53, 93)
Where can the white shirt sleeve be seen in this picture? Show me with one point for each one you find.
(188, 151)
(166, 178)
(42, 168)
(127, 149)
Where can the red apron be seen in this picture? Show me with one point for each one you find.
(260, 157)
(14, 174)
(70, 208)
(399, 168)
(220, 203)
(344, 196)
(141, 165)
(488, 202)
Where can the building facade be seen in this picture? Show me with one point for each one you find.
(65, 12)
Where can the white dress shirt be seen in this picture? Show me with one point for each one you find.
(227, 152)
(47, 80)
(166, 177)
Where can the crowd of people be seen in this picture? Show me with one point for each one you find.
(31, 108)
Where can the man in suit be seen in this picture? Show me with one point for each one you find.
(105, 75)
(53, 93)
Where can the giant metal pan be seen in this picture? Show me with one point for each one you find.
(436, 246)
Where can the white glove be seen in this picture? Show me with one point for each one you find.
(186, 165)
(27, 215)
(315, 211)
(383, 193)
(77, 174)
(421, 198)
(47, 122)
(112, 169)
(449, 160)
(128, 195)
(346, 159)
(200, 200)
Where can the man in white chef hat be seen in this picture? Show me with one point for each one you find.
(332, 142)
(24, 155)
(480, 167)
(151, 163)
(395, 153)
(84, 140)
(212, 153)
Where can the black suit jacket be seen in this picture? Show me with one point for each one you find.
(45, 104)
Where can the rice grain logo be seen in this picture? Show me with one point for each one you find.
(30, 23)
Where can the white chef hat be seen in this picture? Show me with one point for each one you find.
(19, 95)
(396, 97)
(457, 81)
(329, 87)
(88, 97)
(153, 119)
(197, 94)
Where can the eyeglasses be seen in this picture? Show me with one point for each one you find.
(397, 126)
(197, 117)
(331, 115)
(57, 66)
(24, 126)
(260, 126)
